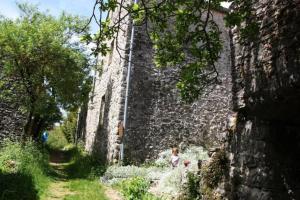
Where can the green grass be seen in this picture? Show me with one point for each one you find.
(86, 190)
(23, 171)
(84, 166)
(80, 173)
(84, 172)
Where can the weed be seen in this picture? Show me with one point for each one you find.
(134, 188)
(193, 186)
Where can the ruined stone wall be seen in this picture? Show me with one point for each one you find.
(81, 123)
(158, 119)
(11, 121)
(265, 133)
(107, 98)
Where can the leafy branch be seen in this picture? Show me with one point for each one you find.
(183, 34)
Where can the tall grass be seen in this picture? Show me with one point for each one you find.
(23, 170)
(84, 166)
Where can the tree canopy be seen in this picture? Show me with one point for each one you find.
(42, 67)
(183, 34)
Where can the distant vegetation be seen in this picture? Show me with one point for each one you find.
(63, 135)
(42, 68)
(57, 140)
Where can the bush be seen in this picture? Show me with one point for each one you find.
(57, 139)
(149, 196)
(193, 186)
(193, 154)
(24, 169)
(134, 188)
(68, 127)
(168, 183)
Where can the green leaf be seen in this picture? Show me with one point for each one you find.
(135, 7)
(41, 64)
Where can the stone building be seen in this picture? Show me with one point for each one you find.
(156, 117)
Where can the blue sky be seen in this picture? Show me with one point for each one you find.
(9, 8)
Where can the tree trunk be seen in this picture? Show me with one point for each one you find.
(37, 124)
(28, 126)
(39, 128)
(33, 126)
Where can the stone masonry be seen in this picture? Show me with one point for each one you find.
(157, 119)
(264, 143)
(105, 107)
(11, 121)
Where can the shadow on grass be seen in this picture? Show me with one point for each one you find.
(85, 166)
(74, 164)
(17, 186)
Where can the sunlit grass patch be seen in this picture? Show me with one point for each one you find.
(86, 190)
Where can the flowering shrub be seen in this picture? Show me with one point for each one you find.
(192, 154)
(166, 182)
(170, 183)
(125, 171)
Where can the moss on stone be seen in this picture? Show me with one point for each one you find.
(214, 171)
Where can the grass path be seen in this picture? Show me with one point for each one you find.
(64, 187)
(59, 186)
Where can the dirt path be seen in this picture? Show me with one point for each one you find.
(112, 194)
(58, 189)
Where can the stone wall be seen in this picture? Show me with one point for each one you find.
(81, 123)
(11, 121)
(105, 107)
(265, 136)
(158, 119)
